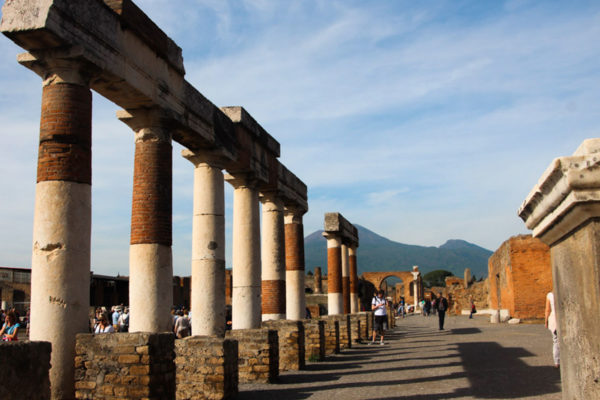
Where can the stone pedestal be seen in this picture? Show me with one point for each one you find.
(291, 343)
(314, 340)
(563, 210)
(332, 335)
(125, 365)
(25, 367)
(206, 367)
(258, 354)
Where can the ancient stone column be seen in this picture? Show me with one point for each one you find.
(318, 281)
(273, 258)
(564, 212)
(294, 264)
(150, 260)
(60, 263)
(335, 302)
(246, 299)
(354, 308)
(208, 244)
(345, 279)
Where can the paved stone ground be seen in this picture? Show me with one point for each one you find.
(470, 359)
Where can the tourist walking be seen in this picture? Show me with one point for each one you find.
(402, 308)
(182, 327)
(551, 325)
(124, 320)
(104, 326)
(378, 305)
(473, 309)
(442, 306)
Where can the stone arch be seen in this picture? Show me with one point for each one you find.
(377, 278)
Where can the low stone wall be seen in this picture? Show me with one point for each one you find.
(345, 331)
(258, 354)
(314, 340)
(365, 333)
(125, 365)
(391, 318)
(332, 335)
(25, 367)
(206, 368)
(291, 343)
(355, 328)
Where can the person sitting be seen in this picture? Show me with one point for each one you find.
(10, 328)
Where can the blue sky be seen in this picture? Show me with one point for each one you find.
(422, 121)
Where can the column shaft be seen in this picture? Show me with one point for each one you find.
(294, 265)
(208, 246)
(334, 275)
(318, 281)
(354, 308)
(150, 259)
(345, 279)
(246, 299)
(62, 227)
(273, 259)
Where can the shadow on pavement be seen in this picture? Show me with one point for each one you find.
(465, 331)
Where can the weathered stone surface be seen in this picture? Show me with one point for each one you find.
(206, 368)
(291, 343)
(25, 367)
(314, 339)
(147, 371)
(258, 354)
(332, 334)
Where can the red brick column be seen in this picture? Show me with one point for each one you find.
(272, 258)
(334, 274)
(150, 260)
(345, 279)
(294, 263)
(62, 219)
(354, 308)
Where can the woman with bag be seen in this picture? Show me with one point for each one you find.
(10, 328)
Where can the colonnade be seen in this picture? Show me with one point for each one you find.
(130, 61)
(342, 276)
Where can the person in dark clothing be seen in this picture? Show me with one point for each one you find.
(442, 306)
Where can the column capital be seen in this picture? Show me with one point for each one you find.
(333, 239)
(242, 180)
(149, 124)
(60, 65)
(210, 157)
(566, 196)
(293, 214)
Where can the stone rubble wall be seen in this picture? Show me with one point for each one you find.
(206, 368)
(365, 333)
(345, 331)
(25, 367)
(332, 335)
(258, 354)
(291, 343)
(125, 365)
(355, 328)
(314, 340)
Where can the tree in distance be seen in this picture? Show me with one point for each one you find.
(436, 278)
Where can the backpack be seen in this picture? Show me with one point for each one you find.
(442, 304)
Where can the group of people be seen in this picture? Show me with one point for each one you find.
(10, 326)
(379, 307)
(115, 321)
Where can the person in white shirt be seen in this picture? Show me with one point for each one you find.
(103, 326)
(378, 305)
(551, 325)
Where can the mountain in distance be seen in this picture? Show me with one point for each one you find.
(377, 253)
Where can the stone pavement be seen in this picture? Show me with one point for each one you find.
(470, 359)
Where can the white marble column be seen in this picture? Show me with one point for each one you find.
(335, 302)
(246, 296)
(273, 258)
(208, 244)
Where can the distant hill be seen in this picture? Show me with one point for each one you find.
(377, 253)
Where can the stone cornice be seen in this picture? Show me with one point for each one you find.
(566, 196)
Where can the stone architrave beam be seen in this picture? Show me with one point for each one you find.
(563, 210)
(136, 64)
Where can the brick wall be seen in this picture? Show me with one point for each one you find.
(345, 331)
(273, 296)
(291, 343)
(228, 286)
(206, 367)
(355, 328)
(258, 354)
(314, 340)
(520, 275)
(25, 367)
(65, 151)
(334, 270)
(294, 247)
(125, 365)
